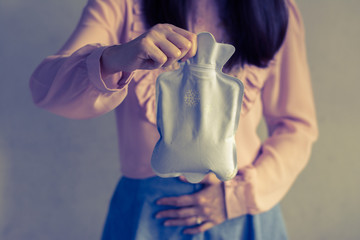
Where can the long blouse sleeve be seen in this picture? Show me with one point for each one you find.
(288, 109)
(70, 82)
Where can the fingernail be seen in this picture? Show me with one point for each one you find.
(167, 223)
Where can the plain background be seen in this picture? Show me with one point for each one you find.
(57, 175)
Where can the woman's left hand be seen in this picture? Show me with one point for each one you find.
(203, 209)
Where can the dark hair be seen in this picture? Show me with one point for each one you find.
(256, 28)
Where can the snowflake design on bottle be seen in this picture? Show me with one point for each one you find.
(192, 98)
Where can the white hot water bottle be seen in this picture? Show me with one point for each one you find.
(198, 110)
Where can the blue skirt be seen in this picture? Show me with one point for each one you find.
(133, 208)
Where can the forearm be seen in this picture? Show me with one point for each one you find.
(261, 185)
(72, 86)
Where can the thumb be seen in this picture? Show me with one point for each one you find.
(183, 179)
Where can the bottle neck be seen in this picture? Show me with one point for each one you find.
(197, 67)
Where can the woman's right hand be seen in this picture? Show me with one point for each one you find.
(161, 46)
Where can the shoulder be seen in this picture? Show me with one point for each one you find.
(295, 18)
(118, 6)
(295, 35)
(113, 14)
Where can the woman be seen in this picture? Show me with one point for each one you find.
(111, 61)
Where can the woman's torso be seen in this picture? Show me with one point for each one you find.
(136, 115)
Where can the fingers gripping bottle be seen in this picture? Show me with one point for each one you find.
(198, 110)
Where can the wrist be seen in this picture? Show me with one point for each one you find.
(106, 62)
(111, 62)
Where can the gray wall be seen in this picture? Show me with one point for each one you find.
(324, 203)
(57, 175)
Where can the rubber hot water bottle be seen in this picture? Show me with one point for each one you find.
(198, 110)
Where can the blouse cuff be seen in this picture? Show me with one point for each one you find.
(112, 83)
(238, 194)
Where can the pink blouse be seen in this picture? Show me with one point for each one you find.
(70, 84)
